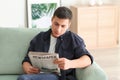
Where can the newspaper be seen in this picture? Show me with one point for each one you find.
(44, 61)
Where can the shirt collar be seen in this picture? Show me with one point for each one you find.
(48, 33)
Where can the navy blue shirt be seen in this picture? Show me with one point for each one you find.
(68, 45)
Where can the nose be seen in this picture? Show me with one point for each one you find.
(58, 29)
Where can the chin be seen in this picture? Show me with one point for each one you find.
(56, 36)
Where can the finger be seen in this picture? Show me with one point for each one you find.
(61, 66)
(60, 60)
(55, 61)
(34, 68)
(33, 71)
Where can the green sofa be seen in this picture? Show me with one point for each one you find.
(14, 43)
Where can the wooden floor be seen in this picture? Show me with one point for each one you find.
(109, 60)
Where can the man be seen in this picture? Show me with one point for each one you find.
(58, 39)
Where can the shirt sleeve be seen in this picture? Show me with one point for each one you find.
(31, 48)
(80, 48)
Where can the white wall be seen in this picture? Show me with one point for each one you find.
(13, 12)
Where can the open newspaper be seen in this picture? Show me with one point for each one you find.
(44, 61)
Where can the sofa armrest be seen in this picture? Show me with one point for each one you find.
(93, 72)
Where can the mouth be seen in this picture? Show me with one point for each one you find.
(56, 34)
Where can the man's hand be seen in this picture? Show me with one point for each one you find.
(63, 63)
(81, 62)
(29, 69)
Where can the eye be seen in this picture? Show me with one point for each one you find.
(63, 26)
(56, 24)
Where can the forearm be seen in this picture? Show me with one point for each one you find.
(81, 62)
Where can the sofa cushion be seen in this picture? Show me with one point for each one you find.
(14, 43)
(8, 77)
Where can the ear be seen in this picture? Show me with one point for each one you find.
(69, 23)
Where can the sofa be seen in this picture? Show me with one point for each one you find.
(14, 43)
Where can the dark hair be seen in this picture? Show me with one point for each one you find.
(63, 13)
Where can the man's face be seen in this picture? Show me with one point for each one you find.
(59, 26)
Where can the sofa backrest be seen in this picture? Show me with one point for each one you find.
(14, 43)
